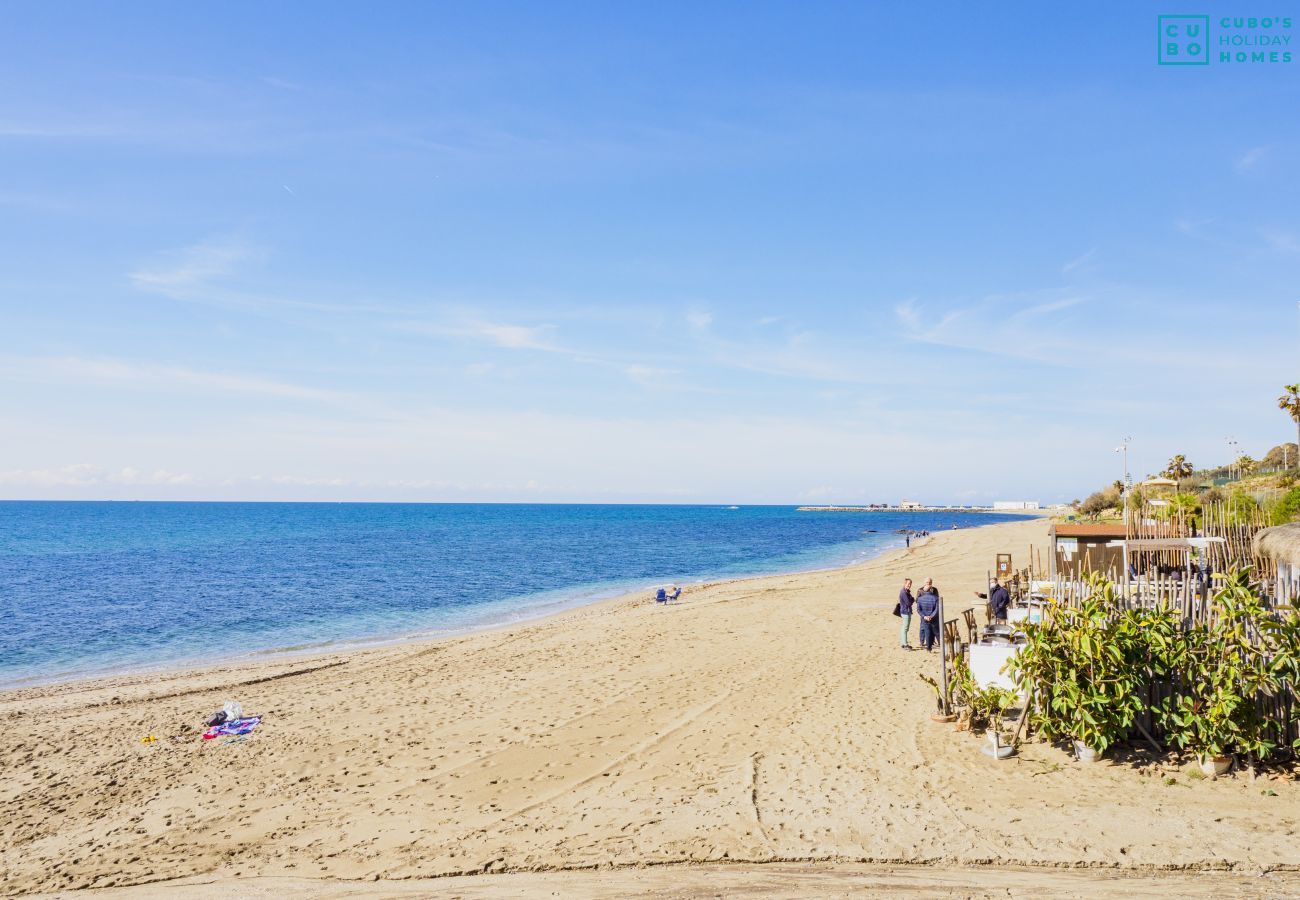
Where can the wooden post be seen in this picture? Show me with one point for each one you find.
(1024, 716)
(943, 658)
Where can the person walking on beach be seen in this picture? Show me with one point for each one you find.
(927, 607)
(905, 602)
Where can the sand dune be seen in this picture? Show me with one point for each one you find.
(764, 720)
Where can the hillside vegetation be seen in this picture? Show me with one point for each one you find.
(1271, 484)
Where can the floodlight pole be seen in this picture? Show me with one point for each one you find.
(1123, 502)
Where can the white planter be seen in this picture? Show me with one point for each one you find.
(1085, 754)
(996, 748)
(1216, 765)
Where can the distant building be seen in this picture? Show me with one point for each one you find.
(910, 504)
(1016, 504)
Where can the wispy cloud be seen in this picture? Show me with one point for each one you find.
(155, 377)
(517, 337)
(193, 268)
(212, 272)
(39, 130)
(507, 335)
(543, 338)
(134, 476)
(1191, 226)
(1043, 309)
(699, 320)
(84, 475)
(802, 355)
(649, 375)
(1251, 158)
(909, 315)
(1037, 328)
(282, 83)
(1082, 263)
(1282, 241)
(1019, 326)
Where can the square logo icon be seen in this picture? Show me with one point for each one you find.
(1183, 40)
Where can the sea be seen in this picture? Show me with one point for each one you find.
(98, 588)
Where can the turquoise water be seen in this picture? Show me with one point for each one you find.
(90, 588)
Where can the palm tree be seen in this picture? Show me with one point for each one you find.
(1246, 465)
(1289, 403)
(1186, 505)
(1179, 468)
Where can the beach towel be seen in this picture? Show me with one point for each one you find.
(232, 727)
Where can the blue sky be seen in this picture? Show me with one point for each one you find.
(615, 252)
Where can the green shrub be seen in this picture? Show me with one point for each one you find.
(1100, 501)
(1219, 671)
(1089, 667)
(1285, 508)
(1241, 507)
(1084, 664)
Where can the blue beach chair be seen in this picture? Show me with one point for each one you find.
(677, 592)
(661, 596)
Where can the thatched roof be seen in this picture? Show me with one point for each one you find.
(1281, 542)
(1160, 482)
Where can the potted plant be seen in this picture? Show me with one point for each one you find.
(938, 715)
(961, 694)
(988, 706)
(1222, 669)
(1084, 666)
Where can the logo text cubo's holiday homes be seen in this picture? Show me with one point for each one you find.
(1199, 40)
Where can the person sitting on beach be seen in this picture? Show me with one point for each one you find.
(905, 602)
(999, 600)
(676, 592)
(927, 606)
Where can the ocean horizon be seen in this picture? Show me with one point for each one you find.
(93, 588)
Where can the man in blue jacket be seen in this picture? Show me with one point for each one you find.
(927, 607)
(998, 599)
(905, 602)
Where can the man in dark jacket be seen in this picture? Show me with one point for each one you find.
(927, 607)
(905, 602)
(998, 599)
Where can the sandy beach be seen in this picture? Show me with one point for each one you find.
(764, 736)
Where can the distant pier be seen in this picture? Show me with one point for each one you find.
(883, 508)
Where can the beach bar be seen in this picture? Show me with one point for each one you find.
(1079, 548)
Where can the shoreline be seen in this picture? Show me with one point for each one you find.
(278, 657)
(272, 655)
(760, 720)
